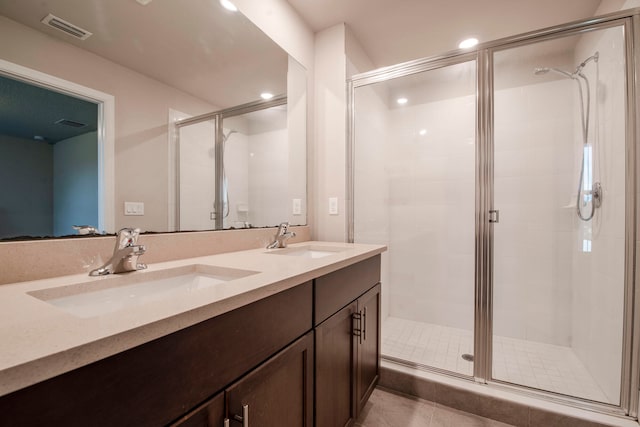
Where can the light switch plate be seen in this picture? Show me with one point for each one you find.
(134, 208)
(333, 206)
(297, 207)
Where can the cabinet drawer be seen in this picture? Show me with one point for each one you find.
(335, 290)
(157, 382)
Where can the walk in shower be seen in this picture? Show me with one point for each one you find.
(503, 182)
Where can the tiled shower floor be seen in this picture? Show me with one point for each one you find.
(538, 365)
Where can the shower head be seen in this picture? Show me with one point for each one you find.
(225, 137)
(544, 70)
(593, 57)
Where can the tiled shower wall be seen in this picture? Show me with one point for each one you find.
(598, 285)
(432, 211)
(534, 191)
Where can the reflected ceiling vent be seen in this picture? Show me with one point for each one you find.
(67, 27)
(70, 123)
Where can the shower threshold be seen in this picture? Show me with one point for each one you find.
(532, 364)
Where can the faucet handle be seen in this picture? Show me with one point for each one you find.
(127, 237)
(283, 227)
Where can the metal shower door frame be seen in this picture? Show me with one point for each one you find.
(218, 119)
(629, 20)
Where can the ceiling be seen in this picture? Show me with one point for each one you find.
(31, 112)
(394, 31)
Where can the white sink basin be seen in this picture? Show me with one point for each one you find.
(307, 251)
(115, 293)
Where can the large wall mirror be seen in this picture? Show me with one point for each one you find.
(92, 96)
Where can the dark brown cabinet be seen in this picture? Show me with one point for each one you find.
(347, 342)
(368, 354)
(277, 394)
(209, 414)
(335, 369)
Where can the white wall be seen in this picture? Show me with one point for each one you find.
(330, 133)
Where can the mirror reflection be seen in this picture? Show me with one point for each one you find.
(48, 161)
(193, 57)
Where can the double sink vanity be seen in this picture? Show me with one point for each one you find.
(279, 337)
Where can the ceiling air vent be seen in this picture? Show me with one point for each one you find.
(67, 27)
(67, 122)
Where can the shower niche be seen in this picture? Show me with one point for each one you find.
(507, 194)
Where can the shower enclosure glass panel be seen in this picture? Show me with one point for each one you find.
(256, 169)
(414, 187)
(559, 184)
(197, 175)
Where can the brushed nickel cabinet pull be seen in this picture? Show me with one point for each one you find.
(244, 418)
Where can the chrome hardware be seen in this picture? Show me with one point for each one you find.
(280, 239)
(125, 254)
(494, 216)
(357, 331)
(244, 419)
(364, 324)
(226, 422)
(596, 193)
(85, 229)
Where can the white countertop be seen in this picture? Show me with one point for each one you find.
(40, 340)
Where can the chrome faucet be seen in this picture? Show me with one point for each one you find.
(283, 233)
(125, 254)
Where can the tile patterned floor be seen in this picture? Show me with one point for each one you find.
(386, 409)
(538, 365)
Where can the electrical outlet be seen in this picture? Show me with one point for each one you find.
(333, 206)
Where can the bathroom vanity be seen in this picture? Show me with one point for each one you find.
(295, 343)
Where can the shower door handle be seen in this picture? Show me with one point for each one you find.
(494, 216)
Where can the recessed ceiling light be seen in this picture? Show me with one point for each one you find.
(266, 95)
(144, 2)
(402, 101)
(228, 5)
(467, 43)
(422, 132)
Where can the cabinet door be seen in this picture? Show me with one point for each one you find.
(368, 366)
(209, 414)
(335, 369)
(279, 393)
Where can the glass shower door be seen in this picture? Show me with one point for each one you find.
(414, 186)
(559, 186)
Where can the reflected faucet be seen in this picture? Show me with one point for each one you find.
(125, 254)
(283, 233)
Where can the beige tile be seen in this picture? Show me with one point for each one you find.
(444, 416)
(408, 384)
(386, 409)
